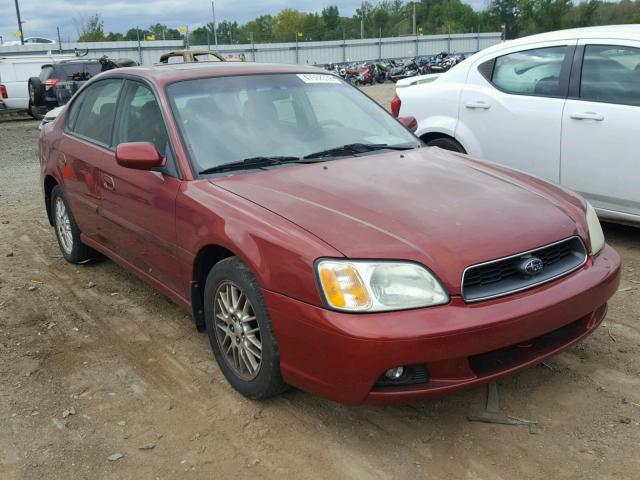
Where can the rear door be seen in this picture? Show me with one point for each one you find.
(84, 147)
(600, 136)
(138, 206)
(512, 104)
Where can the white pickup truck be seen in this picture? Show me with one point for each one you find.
(15, 72)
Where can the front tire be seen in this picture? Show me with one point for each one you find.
(67, 231)
(240, 330)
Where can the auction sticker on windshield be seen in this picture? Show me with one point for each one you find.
(317, 78)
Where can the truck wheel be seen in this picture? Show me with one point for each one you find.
(36, 93)
(35, 112)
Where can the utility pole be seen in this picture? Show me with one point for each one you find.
(19, 23)
(362, 25)
(415, 31)
(139, 48)
(215, 29)
(59, 40)
(253, 48)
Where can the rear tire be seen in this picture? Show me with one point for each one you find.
(446, 143)
(36, 92)
(67, 231)
(240, 330)
(35, 112)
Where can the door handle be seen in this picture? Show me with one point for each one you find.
(108, 183)
(587, 116)
(479, 104)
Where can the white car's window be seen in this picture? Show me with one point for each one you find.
(611, 74)
(530, 72)
(91, 115)
(205, 57)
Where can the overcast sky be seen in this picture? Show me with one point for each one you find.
(119, 15)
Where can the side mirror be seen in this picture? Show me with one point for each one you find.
(410, 122)
(139, 156)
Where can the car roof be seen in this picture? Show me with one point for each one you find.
(619, 32)
(168, 73)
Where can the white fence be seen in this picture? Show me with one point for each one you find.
(148, 52)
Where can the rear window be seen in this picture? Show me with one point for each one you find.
(71, 71)
(45, 73)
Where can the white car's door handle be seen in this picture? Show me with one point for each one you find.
(479, 104)
(587, 116)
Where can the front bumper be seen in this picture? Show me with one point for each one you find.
(341, 356)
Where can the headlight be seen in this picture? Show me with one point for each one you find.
(360, 286)
(596, 235)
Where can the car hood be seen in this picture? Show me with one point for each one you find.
(427, 205)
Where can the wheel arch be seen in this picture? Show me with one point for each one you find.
(49, 183)
(429, 136)
(206, 258)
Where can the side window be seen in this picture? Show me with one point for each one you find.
(611, 74)
(530, 72)
(141, 119)
(92, 113)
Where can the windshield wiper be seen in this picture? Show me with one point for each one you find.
(252, 162)
(356, 148)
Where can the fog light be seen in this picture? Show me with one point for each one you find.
(394, 373)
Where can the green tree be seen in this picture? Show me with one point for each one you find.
(114, 37)
(261, 27)
(91, 29)
(132, 34)
(161, 32)
(287, 24)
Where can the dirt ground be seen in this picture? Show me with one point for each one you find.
(102, 377)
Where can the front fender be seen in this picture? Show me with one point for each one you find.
(279, 253)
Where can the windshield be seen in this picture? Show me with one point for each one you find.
(229, 119)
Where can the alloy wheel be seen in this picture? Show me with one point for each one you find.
(237, 331)
(63, 226)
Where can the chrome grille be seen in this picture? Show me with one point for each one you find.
(506, 275)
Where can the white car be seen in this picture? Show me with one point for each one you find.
(562, 105)
(30, 41)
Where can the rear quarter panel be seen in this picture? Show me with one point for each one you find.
(435, 104)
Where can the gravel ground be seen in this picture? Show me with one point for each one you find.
(102, 377)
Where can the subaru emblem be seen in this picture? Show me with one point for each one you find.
(531, 266)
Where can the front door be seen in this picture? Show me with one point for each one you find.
(600, 140)
(138, 206)
(512, 105)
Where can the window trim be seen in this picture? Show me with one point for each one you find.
(575, 82)
(67, 119)
(563, 81)
(172, 170)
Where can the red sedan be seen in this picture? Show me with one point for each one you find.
(318, 242)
